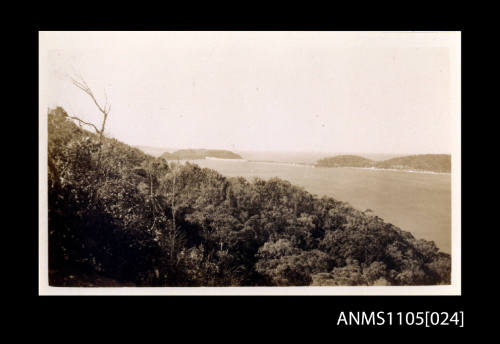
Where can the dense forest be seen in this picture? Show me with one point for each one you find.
(422, 162)
(119, 217)
(194, 154)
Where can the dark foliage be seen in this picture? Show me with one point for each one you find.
(120, 217)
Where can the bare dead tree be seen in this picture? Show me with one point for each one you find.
(149, 170)
(173, 209)
(173, 206)
(105, 110)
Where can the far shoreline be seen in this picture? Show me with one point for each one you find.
(389, 169)
(298, 164)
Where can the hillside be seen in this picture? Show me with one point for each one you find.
(118, 216)
(423, 162)
(194, 154)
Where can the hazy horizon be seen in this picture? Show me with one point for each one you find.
(278, 156)
(321, 92)
(171, 149)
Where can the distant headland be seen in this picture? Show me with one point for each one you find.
(195, 154)
(440, 163)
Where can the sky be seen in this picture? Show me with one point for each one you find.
(366, 92)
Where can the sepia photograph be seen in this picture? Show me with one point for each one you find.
(249, 163)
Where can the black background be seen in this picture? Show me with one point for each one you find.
(186, 318)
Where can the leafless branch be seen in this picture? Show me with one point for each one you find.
(83, 122)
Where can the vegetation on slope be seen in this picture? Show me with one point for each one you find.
(421, 162)
(131, 219)
(194, 154)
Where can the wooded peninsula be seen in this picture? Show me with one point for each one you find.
(440, 163)
(195, 154)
